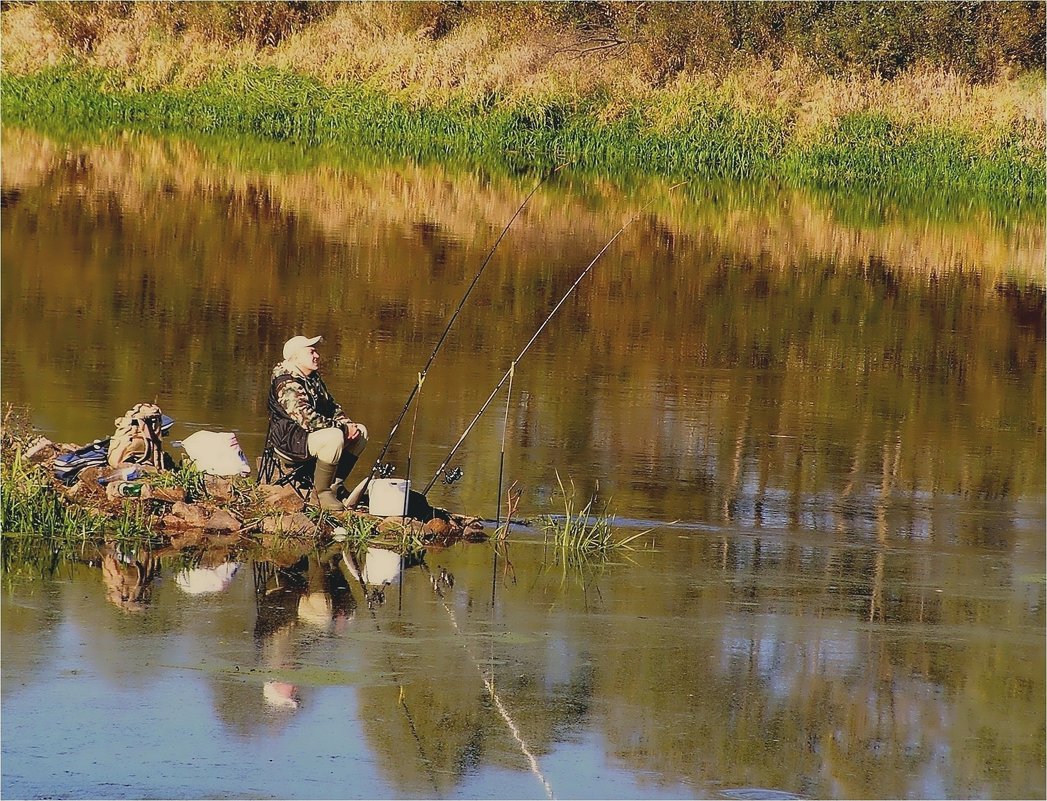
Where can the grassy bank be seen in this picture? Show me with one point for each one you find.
(712, 139)
(532, 85)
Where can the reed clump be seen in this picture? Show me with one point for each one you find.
(583, 530)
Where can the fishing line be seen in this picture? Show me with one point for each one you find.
(457, 311)
(545, 322)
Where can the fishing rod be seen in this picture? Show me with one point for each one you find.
(439, 343)
(501, 460)
(545, 322)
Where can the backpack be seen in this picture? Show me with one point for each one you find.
(138, 438)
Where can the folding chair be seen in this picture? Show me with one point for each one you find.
(276, 467)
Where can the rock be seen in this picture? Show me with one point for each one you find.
(436, 528)
(222, 520)
(397, 525)
(41, 450)
(218, 488)
(283, 498)
(391, 524)
(190, 514)
(473, 531)
(295, 523)
(169, 494)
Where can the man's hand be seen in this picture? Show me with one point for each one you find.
(352, 431)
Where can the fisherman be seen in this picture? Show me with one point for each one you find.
(306, 421)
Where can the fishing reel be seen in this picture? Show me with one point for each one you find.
(384, 470)
(454, 475)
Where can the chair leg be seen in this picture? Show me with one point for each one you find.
(267, 466)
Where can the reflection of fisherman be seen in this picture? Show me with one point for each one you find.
(128, 581)
(308, 422)
(320, 598)
(274, 633)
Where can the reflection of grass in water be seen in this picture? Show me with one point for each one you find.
(28, 557)
(905, 225)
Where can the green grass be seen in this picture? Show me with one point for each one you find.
(859, 151)
(356, 532)
(31, 504)
(186, 477)
(585, 530)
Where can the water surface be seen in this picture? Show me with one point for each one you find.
(721, 662)
(830, 410)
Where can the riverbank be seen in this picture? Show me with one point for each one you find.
(184, 508)
(355, 77)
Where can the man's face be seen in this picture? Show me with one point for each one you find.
(307, 360)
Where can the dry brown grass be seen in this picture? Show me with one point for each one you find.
(524, 59)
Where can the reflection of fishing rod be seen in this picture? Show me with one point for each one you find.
(488, 682)
(512, 367)
(347, 553)
(439, 343)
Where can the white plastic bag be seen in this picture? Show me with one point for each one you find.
(217, 453)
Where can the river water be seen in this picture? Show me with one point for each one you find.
(828, 411)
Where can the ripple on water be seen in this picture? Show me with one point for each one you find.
(759, 794)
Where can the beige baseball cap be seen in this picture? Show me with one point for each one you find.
(294, 344)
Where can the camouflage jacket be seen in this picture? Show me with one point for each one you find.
(298, 405)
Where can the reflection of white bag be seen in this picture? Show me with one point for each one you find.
(201, 580)
(216, 453)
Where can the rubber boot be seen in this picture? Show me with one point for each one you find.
(323, 475)
(345, 467)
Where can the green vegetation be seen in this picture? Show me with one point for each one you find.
(188, 478)
(31, 505)
(860, 150)
(356, 532)
(584, 531)
(926, 97)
